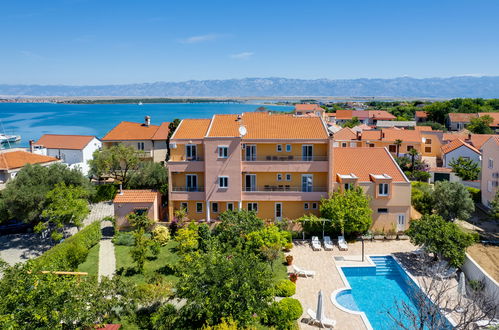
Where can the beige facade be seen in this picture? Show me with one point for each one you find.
(136, 201)
(490, 170)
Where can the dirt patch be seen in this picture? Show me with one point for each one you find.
(487, 256)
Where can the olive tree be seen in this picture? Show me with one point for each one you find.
(452, 201)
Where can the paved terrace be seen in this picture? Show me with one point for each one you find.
(328, 278)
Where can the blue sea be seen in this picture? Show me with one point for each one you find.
(32, 120)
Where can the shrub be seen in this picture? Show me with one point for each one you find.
(476, 194)
(104, 192)
(161, 234)
(283, 314)
(124, 238)
(285, 288)
(68, 254)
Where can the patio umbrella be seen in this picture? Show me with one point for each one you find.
(461, 291)
(320, 311)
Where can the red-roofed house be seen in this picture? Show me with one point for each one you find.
(12, 160)
(421, 116)
(490, 170)
(150, 139)
(136, 201)
(457, 121)
(74, 150)
(307, 109)
(459, 148)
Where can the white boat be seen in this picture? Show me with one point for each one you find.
(140, 103)
(9, 138)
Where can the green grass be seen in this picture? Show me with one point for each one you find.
(154, 267)
(280, 270)
(91, 263)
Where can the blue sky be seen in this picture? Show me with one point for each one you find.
(99, 42)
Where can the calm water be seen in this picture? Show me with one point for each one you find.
(375, 291)
(31, 120)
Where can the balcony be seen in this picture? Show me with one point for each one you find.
(187, 193)
(285, 164)
(145, 153)
(186, 164)
(283, 193)
(290, 158)
(188, 189)
(186, 159)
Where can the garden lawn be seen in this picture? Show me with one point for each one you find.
(91, 263)
(153, 267)
(280, 270)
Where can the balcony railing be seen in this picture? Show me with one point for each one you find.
(186, 159)
(285, 188)
(284, 158)
(188, 189)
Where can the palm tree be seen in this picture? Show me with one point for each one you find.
(413, 152)
(398, 142)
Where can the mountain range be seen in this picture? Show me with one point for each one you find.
(451, 87)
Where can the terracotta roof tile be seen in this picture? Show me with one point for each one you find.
(494, 115)
(136, 196)
(17, 159)
(308, 107)
(461, 117)
(365, 161)
(477, 140)
(268, 126)
(421, 114)
(133, 131)
(192, 129)
(345, 134)
(344, 114)
(446, 148)
(423, 128)
(380, 115)
(58, 141)
(162, 132)
(371, 135)
(454, 136)
(401, 134)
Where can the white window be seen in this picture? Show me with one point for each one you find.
(383, 189)
(214, 207)
(491, 163)
(279, 148)
(253, 207)
(314, 206)
(489, 186)
(306, 206)
(347, 186)
(140, 145)
(223, 181)
(199, 207)
(288, 177)
(230, 206)
(190, 151)
(279, 176)
(288, 147)
(223, 151)
(183, 206)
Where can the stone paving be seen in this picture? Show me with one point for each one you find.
(21, 247)
(328, 278)
(107, 258)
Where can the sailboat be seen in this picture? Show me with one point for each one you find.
(9, 138)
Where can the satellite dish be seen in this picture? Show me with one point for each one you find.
(242, 131)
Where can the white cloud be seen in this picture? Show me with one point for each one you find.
(242, 56)
(201, 38)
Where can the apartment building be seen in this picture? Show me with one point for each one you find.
(490, 170)
(150, 139)
(279, 166)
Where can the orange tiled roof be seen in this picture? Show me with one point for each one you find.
(461, 117)
(135, 131)
(423, 128)
(421, 114)
(494, 115)
(58, 141)
(345, 134)
(477, 140)
(371, 135)
(162, 132)
(381, 115)
(344, 114)
(136, 196)
(454, 136)
(365, 161)
(16, 159)
(401, 134)
(192, 129)
(308, 107)
(268, 126)
(446, 148)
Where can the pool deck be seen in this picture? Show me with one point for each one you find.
(328, 278)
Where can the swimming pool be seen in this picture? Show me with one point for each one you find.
(377, 290)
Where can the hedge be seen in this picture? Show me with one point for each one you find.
(104, 192)
(476, 194)
(66, 256)
(285, 288)
(283, 314)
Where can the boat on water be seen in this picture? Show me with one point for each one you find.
(9, 138)
(140, 103)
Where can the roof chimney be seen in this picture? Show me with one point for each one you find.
(239, 117)
(147, 120)
(31, 146)
(469, 136)
(358, 135)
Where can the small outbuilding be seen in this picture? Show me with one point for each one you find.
(141, 201)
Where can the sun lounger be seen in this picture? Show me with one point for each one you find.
(313, 316)
(328, 244)
(303, 272)
(486, 323)
(316, 244)
(342, 244)
(325, 322)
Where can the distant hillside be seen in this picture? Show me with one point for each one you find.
(486, 87)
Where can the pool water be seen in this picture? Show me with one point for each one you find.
(377, 290)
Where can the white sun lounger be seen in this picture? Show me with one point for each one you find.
(328, 244)
(486, 323)
(325, 322)
(342, 244)
(303, 272)
(316, 244)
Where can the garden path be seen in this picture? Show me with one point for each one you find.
(107, 258)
